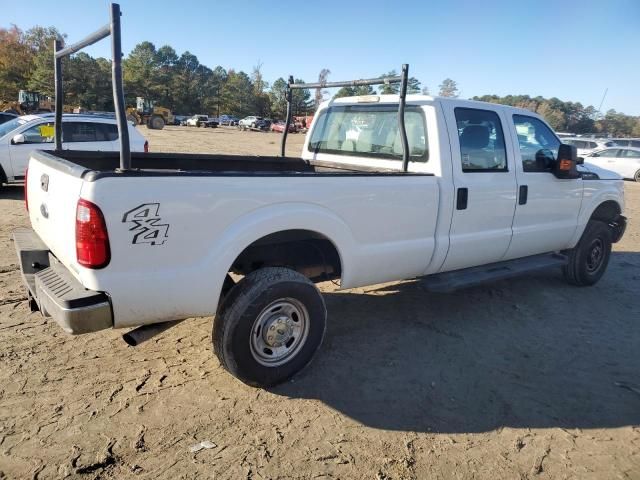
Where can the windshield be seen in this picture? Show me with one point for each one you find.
(11, 125)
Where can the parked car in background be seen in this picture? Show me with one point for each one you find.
(627, 142)
(586, 146)
(19, 137)
(279, 126)
(249, 122)
(228, 120)
(625, 161)
(6, 116)
(202, 121)
(196, 120)
(180, 119)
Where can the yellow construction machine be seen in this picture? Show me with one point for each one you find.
(28, 102)
(146, 113)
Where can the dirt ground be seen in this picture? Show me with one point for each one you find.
(525, 379)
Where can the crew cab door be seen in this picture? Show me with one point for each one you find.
(485, 187)
(547, 211)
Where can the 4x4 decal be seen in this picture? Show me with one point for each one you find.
(145, 223)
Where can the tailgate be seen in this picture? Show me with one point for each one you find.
(53, 188)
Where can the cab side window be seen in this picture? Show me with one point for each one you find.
(481, 137)
(42, 133)
(538, 144)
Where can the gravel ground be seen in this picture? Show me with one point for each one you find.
(529, 378)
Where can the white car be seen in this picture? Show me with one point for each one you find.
(625, 161)
(197, 120)
(20, 136)
(586, 146)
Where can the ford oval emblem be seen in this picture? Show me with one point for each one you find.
(44, 211)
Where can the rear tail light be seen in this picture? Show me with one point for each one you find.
(146, 146)
(26, 198)
(92, 239)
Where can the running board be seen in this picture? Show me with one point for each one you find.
(450, 281)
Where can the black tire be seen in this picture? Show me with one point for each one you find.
(588, 260)
(636, 177)
(155, 123)
(240, 318)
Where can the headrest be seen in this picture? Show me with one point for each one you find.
(474, 136)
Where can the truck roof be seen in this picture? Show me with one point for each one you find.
(422, 99)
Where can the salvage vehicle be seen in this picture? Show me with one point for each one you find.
(279, 127)
(442, 189)
(625, 161)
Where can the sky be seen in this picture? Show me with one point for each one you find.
(572, 50)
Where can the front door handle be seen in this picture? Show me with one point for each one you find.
(462, 198)
(523, 194)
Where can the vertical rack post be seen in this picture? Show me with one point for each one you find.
(289, 97)
(57, 68)
(401, 124)
(118, 90)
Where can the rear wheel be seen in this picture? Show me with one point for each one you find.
(269, 326)
(590, 257)
(636, 177)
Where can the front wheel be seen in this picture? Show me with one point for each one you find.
(269, 326)
(588, 260)
(636, 177)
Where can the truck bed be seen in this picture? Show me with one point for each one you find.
(91, 166)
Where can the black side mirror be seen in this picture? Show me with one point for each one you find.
(544, 160)
(566, 165)
(580, 160)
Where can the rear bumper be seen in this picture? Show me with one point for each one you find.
(56, 292)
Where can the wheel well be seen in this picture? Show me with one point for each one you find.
(606, 211)
(3, 176)
(310, 253)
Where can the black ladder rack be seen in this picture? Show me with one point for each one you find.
(113, 29)
(401, 79)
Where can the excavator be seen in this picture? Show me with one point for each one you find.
(146, 113)
(28, 102)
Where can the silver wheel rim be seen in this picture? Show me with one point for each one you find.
(279, 332)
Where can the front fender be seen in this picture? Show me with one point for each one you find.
(596, 192)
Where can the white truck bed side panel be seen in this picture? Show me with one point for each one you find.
(382, 226)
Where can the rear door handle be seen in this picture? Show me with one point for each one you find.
(462, 198)
(523, 194)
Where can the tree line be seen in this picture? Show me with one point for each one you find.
(183, 84)
(572, 116)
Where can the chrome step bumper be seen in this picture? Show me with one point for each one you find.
(56, 292)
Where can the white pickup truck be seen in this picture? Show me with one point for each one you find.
(387, 188)
(483, 189)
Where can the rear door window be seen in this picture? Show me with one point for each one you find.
(630, 153)
(481, 137)
(83, 132)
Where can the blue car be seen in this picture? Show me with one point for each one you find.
(228, 120)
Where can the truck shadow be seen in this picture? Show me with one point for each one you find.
(530, 352)
(11, 192)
